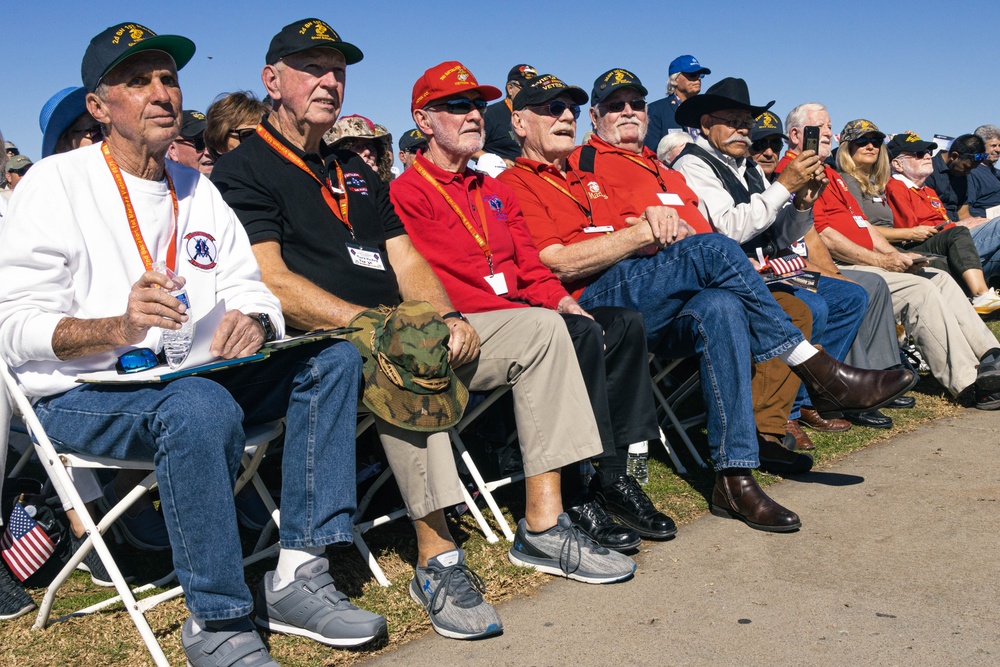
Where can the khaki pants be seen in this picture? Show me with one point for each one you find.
(774, 386)
(529, 349)
(950, 335)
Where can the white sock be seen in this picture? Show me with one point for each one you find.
(799, 354)
(289, 560)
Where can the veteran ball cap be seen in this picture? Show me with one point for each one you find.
(907, 142)
(766, 125)
(611, 81)
(547, 87)
(412, 140)
(123, 40)
(305, 34)
(446, 79)
(192, 123)
(521, 74)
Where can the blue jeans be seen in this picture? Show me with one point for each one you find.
(699, 296)
(192, 431)
(987, 239)
(838, 308)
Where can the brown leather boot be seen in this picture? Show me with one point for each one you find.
(834, 386)
(737, 496)
(802, 441)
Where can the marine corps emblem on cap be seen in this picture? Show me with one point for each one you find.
(768, 121)
(448, 78)
(305, 34)
(408, 379)
(613, 79)
(118, 42)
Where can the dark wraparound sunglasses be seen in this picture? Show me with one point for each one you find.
(761, 145)
(557, 108)
(867, 141)
(619, 106)
(460, 107)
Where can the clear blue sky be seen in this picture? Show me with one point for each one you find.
(847, 54)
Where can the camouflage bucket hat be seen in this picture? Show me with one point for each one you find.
(353, 126)
(408, 380)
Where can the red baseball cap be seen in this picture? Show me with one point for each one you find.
(448, 78)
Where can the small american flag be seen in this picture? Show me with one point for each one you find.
(789, 264)
(25, 546)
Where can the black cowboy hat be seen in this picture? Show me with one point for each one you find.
(730, 93)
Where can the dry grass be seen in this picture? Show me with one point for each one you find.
(108, 638)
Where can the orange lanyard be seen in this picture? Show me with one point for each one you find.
(934, 201)
(483, 243)
(133, 221)
(585, 208)
(510, 107)
(642, 162)
(337, 203)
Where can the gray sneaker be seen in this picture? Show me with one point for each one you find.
(312, 607)
(452, 594)
(14, 600)
(234, 645)
(566, 552)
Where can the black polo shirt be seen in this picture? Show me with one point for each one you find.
(952, 190)
(499, 132)
(276, 200)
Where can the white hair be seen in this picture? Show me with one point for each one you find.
(797, 116)
(672, 83)
(671, 145)
(987, 132)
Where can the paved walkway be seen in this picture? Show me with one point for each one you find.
(898, 563)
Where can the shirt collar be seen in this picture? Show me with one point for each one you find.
(324, 150)
(907, 182)
(443, 175)
(604, 147)
(539, 167)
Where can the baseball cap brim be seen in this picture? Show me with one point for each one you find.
(488, 93)
(181, 49)
(58, 114)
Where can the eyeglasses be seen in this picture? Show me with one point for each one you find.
(761, 145)
(918, 155)
(735, 123)
(94, 131)
(412, 151)
(139, 359)
(867, 141)
(461, 106)
(975, 157)
(693, 76)
(198, 143)
(243, 133)
(619, 106)
(557, 108)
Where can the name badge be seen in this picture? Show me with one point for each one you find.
(498, 283)
(601, 229)
(670, 199)
(876, 200)
(860, 221)
(369, 258)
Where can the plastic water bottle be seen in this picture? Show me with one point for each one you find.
(176, 343)
(638, 462)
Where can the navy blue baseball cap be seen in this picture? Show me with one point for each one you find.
(765, 125)
(412, 140)
(58, 114)
(304, 35)
(611, 81)
(120, 41)
(688, 64)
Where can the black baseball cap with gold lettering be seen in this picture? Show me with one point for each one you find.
(611, 81)
(305, 34)
(120, 41)
(546, 87)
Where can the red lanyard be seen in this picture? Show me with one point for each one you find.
(587, 210)
(483, 243)
(649, 165)
(133, 221)
(337, 203)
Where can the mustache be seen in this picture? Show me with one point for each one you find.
(627, 121)
(738, 139)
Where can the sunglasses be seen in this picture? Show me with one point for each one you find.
(557, 108)
(761, 145)
(919, 155)
(461, 106)
(867, 141)
(735, 123)
(975, 157)
(94, 132)
(242, 134)
(198, 143)
(619, 106)
(693, 76)
(139, 359)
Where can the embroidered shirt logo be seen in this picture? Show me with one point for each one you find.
(201, 250)
(594, 191)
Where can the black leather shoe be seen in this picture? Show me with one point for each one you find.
(902, 403)
(776, 458)
(591, 519)
(869, 418)
(737, 496)
(626, 501)
(835, 386)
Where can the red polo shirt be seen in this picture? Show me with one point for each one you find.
(837, 207)
(639, 180)
(915, 206)
(562, 217)
(439, 235)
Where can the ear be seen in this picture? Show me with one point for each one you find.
(593, 116)
(98, 109)
(270, 76)
(795, 137)
(518, 123)
(705, 122)
(172, 151)
(420, 117)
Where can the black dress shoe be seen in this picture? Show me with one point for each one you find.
(591, 519)
(776, 458)
(835, 386)
(901, 403)
(737, 496)
(869, 418)
(626, 501)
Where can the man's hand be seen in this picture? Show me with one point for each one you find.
(972, 223)
(150, 305)
(895, 261)
(920, 233)
(662, 226)
(811, 191)
(238, 335)
(463, 343)
(799, 172)
(568, 306)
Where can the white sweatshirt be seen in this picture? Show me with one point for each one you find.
(66, 251)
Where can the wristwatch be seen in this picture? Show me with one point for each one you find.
(454, 314)
(265, 323)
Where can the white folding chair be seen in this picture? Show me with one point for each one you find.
(666, 405)
(56, 465)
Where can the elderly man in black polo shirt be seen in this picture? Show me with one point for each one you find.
(333, 250)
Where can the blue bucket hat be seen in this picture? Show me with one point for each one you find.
(58, 114)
